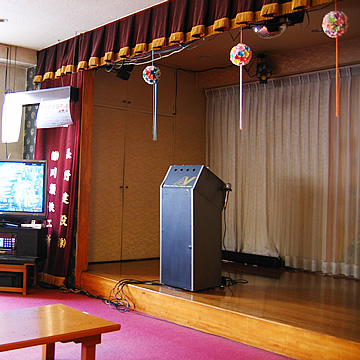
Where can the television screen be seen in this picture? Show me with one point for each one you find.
(23, 190)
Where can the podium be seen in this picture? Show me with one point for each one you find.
(191, 203)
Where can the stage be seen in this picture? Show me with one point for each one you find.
(298, 314)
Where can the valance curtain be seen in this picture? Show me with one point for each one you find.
(170, 23)
(294, 169)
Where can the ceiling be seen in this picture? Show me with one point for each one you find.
(37, 24)
(42, 23)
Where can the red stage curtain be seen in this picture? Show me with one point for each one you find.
(85, 48)
(177, 21)
(97, 48)
(159, 22)
(141, 31)
(269, 8)
(60, 54)
(50, 63)
(111, 41)
(125, 35)
(222, 15)
(71, 56)
(197, 15)
(59, 146)
(166, 24)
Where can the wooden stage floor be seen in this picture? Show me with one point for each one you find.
(298, 314)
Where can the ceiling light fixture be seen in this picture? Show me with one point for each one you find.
(269, 31)
(3, 20)
(277, 26)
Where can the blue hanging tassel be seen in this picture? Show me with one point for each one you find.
(154, 111)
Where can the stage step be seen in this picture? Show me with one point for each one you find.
(191, 310)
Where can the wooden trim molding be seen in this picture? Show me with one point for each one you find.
(82, 238)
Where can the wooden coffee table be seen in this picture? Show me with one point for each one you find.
(46, 325)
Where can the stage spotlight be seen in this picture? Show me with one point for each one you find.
(128, 67)
(124, 72)
(273, 28)
(269, 30)
(263, 69)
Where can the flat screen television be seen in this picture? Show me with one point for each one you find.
(23, 191)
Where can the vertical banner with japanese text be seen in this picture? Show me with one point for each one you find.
(60, 147)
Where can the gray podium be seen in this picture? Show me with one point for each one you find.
(191, 204)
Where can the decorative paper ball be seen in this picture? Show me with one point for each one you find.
(335, 23)
(151, 74)
(240, 54)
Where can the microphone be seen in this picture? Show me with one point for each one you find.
(227, 189)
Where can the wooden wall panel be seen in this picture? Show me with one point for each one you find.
(82, 238)
(190, 121)
(289, 63)
(127, 226)
(146, 164)
(107, 178)
(135, 93)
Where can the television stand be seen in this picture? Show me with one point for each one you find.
(18, 265)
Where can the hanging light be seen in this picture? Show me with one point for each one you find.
(263, 69)
(269, 30)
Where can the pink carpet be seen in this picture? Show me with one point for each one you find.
(140, 337)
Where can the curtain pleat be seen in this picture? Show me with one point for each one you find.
(71, 56)
(222, 11)
(85, 41)
(40, 67)
(300, 4)
(111, 41)
(294, 169)
(141, 31)
(159, 26)
(97, 48)
(60, 54)
(177, 21)
(50, 63)
(243, 12)
(167, 24)
(269, 8)
(197, 18)
(125, 35)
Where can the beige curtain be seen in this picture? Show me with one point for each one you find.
(294, 169)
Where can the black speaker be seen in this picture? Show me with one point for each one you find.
(192, 199)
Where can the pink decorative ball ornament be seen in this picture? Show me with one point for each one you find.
(335, 23)
(240, 54)
(151, 74)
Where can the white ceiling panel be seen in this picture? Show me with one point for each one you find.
(37, 24)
